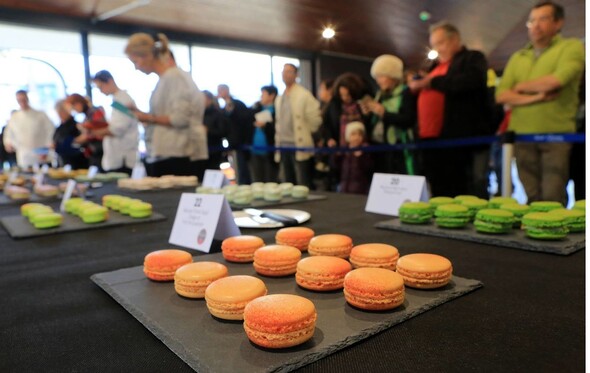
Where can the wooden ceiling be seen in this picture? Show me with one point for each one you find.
(364, 28)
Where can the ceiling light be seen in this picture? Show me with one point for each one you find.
(328, 33)
(432, 54)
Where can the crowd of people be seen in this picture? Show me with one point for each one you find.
(339, 139)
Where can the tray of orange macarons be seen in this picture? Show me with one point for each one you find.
(282, 304)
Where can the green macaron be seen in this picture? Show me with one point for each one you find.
(545, 206)
(580, 205)
(463, 197)
(493, 221)
(438, 201)
(415, 212)
(496, 202)
(474, 205)
(451, 216)
(544, 226)
(575, 220)
(517, 210)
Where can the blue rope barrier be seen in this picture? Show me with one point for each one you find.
(444, 143)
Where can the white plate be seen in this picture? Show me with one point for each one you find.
(244, 220)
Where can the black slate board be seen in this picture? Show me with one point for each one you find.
(204, 343)
(516, 239)
(260, 203)
(18, 226)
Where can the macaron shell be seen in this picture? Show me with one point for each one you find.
(280, 320)
(374, 289)
(227, 297)
(337, 245)
(298, 237)
(374, 255)
(276, 260)
(322, 273)
(192, 279)
(241, 248)
(162, 264)
(425, 271)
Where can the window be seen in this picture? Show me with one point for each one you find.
(244, 73)
(46, 63)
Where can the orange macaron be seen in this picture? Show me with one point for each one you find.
(425, 271)
(162, 264)
(192, 279)
(331, 244)
(298, 237)
(240, 248)
(377, 255)
(374, 289)
(280, 320)
(227, 297)
(322, 273)
(276, 260)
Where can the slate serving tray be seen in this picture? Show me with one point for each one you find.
(203, 342)
(516, 239)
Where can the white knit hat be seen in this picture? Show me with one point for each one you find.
(353, 126)
(388, 65)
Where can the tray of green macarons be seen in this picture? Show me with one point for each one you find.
(37, 219)
(543, 226)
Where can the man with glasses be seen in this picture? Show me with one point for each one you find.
(541, 83)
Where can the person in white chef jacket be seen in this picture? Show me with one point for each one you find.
(121, 137)
(29, 133)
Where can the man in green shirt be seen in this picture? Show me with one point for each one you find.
(541, 83)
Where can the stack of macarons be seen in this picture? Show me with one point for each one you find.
(89, 212)
(452, 216)
(517, 210)
(16, 192)
(493, 221)
(374, 279)
(243, 195)
(544, 226)
(415, 212)
(496, 202)
(132, 207)
(473, 205)
(545, 206)
(575, 220)
(41, 216)
(46, 190)
(440, 200)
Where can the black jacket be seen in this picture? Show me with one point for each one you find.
(466, 111)
(269, 128)
(217, 126)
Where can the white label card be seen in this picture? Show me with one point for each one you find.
(389, 191)
(200, 218)
(214, 179)
(67, 194)
(92, 171)
(39, 178)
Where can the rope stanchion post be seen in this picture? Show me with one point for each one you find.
(507, 156)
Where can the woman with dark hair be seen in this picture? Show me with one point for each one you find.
(94, 119)
(344, 108)
(64, 137)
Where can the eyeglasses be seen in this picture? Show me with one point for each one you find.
(543, 19)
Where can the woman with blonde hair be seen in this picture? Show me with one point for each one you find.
(174, 130)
